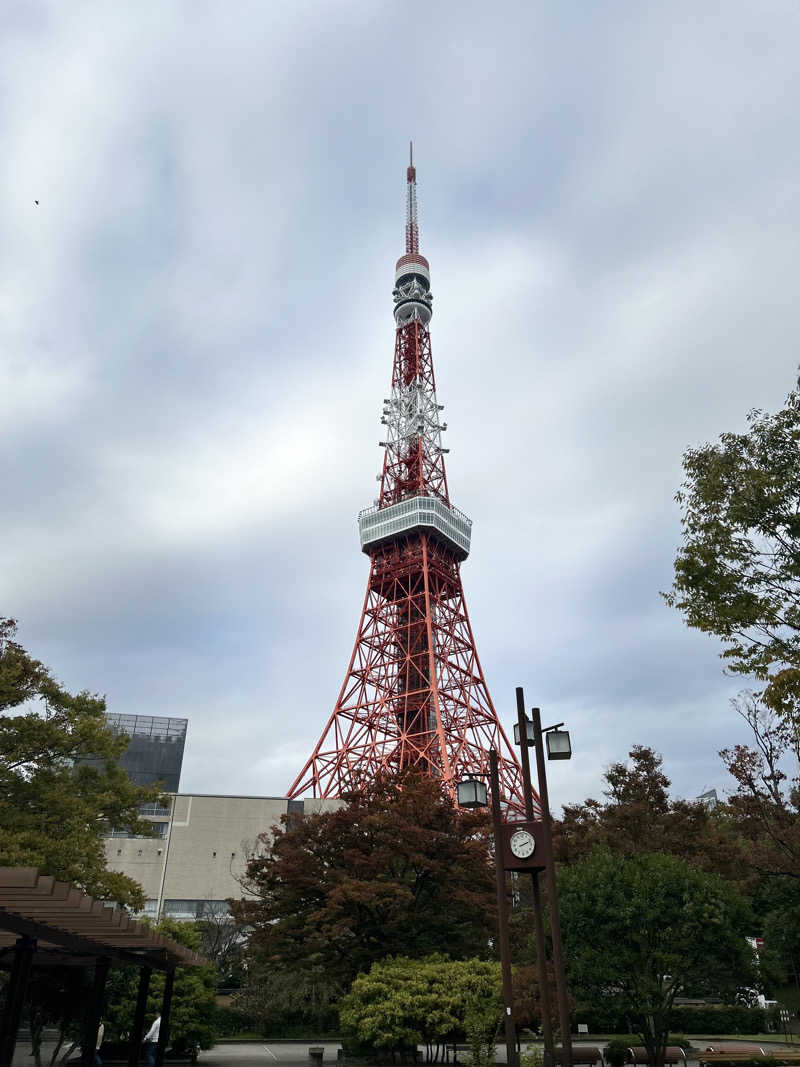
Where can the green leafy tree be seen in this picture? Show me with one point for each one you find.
(641, 929)
(284, 1000)
(397, 870)
(737, 574)
(193, 996)
(55, 809)
(402, 1003)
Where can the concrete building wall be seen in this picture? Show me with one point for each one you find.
(204, 843)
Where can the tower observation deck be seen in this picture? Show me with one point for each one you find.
(414, 694)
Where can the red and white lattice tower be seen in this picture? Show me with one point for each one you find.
(414, 693)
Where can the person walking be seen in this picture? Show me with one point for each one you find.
(100, 1031)
(151, 1041)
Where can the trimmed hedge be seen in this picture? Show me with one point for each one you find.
(707, 1019)
(719, 1019)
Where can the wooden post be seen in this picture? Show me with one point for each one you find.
(15, 998)
(163, 1032)
(137, 1030)
(91, 1020)
(502, 915)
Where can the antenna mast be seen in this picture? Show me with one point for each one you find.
(412, 224)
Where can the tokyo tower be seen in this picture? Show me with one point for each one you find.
(414, 694)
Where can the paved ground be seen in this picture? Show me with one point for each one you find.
(249, 1054)
(264, 1054)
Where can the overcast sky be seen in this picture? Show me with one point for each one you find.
(196, 335)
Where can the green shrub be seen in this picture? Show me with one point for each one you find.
(719, 1019)
(228, 1022)
(532, 1057)
(616, 1052)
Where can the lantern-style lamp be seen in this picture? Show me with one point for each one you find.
(558, 746)
(471, 793)
(528, 730)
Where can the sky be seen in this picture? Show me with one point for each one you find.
(196, 337)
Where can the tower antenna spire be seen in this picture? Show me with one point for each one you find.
(412, 223)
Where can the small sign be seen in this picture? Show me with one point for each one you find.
(583, 1028)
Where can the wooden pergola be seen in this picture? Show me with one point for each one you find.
(46, 923)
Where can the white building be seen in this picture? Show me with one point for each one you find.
(198, 857)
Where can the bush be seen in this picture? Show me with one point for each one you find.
(719, 1019)
(616, 1052)
(532, 1057)
(228, 1022)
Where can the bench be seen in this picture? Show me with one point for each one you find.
(583, 1054)
(736, 1046)
(672, 1054)
(743, 1055)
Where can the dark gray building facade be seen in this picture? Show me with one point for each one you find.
(155, 750)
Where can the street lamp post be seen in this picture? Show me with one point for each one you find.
(471, 793)
(541, 954)
(502, 913)
(552, 893)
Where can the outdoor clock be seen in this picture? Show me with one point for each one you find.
(522, 844)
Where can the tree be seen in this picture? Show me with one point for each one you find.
(397, 870)
(223, 945)
(737, 574)
(55, 809)
(638, 815)
(402, 1003)
(57, 999)
(193, 996)
(767, 813)
(640, 930)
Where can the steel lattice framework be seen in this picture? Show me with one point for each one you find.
(414, 694)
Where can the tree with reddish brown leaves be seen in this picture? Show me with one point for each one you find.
(638, 815)
(397, 870)
(766, 804)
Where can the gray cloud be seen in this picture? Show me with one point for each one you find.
(195, 336)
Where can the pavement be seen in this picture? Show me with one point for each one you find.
(266, 1053)
(249, 1054)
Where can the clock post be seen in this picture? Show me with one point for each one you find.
(558, 748)
(538, 913)
(502, 912)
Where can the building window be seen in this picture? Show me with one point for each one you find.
(160, 828)
(195, 909)
(154, 809)
(207, 909)
(181, 909)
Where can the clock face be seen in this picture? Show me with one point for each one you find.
(522, 844)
